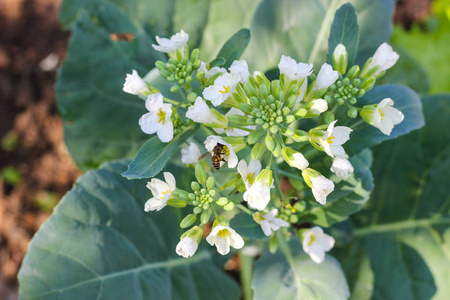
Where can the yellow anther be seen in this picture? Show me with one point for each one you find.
(330, 139)
(312, 240)
(226, 89)
(251, 177)
(162, 116)
(223, 233)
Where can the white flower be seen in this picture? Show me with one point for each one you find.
(239, 68)
(230, 156)
(177, 41)
(318, 106)
(386, 116)
(294, 70)
(209, 73)
(321, 186)
(200, 112)
(342, 167)
(258, 194)
(294, 159)
(326, 77)
(158, 119)
(384, 57)
(162, 191)
(222, 88)
(249, 173)
(316, 243)
(224, 237)
(334, 138)
(190, 154)
(134, 84)
(269, 223)
(186, 247)
(231, 131)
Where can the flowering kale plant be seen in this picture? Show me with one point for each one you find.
(262, 150)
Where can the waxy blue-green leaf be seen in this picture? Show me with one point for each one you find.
(154, 155)
(406, 229)
(300, 29)
(345, 31)
(247, 227)
(349, 195)
(100, 120)
(365, 135)
(100, 244)
(235, 47)
(294, 276)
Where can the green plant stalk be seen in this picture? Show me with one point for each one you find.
(246, 275)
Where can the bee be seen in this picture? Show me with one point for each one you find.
(218, 152)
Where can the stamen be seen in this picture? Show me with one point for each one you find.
(330, 139)
(226, 89)
(223, 233)
(312, 240)
(162, 116)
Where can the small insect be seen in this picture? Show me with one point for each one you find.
(217, 157)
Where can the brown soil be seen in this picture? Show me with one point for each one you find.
(29, 33)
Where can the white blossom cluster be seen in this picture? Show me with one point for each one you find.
(260, 113)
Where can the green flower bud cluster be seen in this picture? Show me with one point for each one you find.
(347, 89)
(180, 69)
(269, 107)
(291, 212)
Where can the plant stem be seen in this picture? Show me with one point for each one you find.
(287, 174)
(174, 102)
(324, 29)
(277, 183)
(246, 275)
(244, 209)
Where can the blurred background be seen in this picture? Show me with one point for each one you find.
(35, 167)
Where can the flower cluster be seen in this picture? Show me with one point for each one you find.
(270, 118)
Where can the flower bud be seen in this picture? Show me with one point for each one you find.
(188, 221)
(258, 151)
(270, 142)
(246, 108)
(222, 201)
(340, 59)
(204, 217)
(294, 159)
(300, 136)
(229, 206)
(253, 137)
(200, 174)
(174, 202)
(210, 183)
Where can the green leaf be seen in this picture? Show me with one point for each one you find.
(348, 196)
(405, 100)
(247, 227)
(100, 120)
(406, 232)
(300, 29)
(235, 47)
(100, 244)
(295, 276)
(154, 154)
(239, 14)
(344, 30)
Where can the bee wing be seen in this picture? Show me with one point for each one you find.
(204, 155)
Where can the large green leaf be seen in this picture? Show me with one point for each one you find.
(294, 276)
(100, 120)
(154, 154)
(406, 232)
(344, 30)
(300, 29)
(405, 100)
(100, 244)
(349, 194)
(247, 227)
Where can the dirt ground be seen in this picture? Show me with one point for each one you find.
(35, 167)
